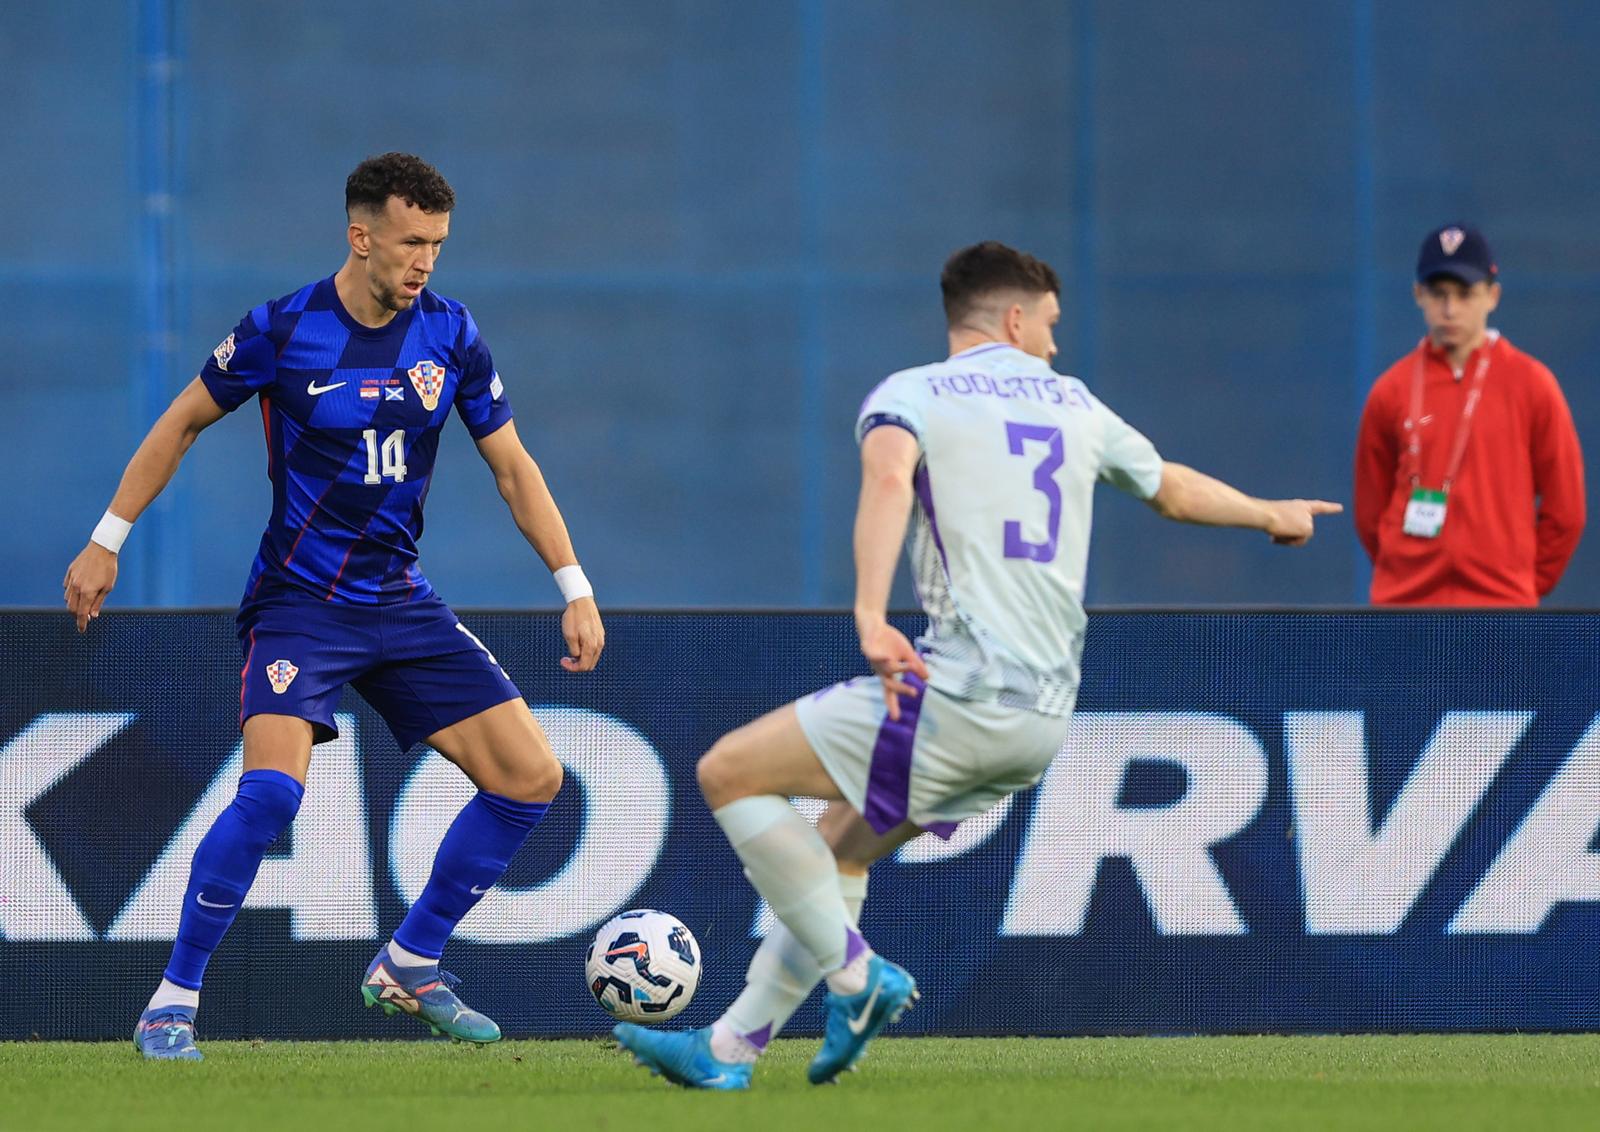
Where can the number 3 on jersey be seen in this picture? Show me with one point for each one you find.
(1044, 481)
(393, 455)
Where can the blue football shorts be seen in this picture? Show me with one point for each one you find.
(415, 663)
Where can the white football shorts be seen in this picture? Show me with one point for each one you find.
(944, 760)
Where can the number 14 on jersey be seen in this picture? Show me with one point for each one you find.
(392, 454)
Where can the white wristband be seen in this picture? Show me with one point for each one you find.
(110, 532)
(573, 584)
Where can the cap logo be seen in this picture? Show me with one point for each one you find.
(1450, 239)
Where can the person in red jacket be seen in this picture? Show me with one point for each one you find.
(1469, 478)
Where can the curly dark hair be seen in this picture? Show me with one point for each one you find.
(975, 272)
(402, 175)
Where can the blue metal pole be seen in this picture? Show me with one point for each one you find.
(1364, 266)
(1086, 256)
(813, 320)
(1084, 285)
(163, 553)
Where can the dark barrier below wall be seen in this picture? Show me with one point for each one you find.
(1262, 821)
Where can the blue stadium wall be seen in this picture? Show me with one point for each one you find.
(697, 233)
(1260, 822)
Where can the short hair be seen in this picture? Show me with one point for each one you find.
(402, 175)
(974, 273)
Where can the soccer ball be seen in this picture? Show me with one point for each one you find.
(643, 966)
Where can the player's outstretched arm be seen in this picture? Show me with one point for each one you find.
(888, 458)
(92, 574)
(1188, 496)
(522, 486)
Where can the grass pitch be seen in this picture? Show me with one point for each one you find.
(1455, 1082)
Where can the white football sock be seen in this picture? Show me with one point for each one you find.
(170, 993)
(852, 977)
(782, 976)
(788, 863)
(854, 891)
(731, 1047)
(404, 958)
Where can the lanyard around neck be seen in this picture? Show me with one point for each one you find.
(1413, 424)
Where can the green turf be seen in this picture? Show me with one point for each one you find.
(1462, 1082)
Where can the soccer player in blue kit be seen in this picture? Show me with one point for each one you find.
(356, 375)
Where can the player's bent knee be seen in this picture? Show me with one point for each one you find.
(718, 775)
(552, 775)
(708, 772)
(539, 779)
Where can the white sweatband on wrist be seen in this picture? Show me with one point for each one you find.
(110, 532)
(573, 584)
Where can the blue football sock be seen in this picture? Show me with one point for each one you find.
(474, 854)
(225, 865)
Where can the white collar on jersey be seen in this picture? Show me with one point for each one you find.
(980, 348)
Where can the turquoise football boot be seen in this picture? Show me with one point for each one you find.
(682, 1057)
(428, 995)
(167, 1034)
(855, 1019)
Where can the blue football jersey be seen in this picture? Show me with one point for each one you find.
(352, 417)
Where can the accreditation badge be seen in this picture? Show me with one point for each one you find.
(1424, 513)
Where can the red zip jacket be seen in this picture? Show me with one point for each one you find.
(1516, 509)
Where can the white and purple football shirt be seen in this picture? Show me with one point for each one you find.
(1011, 452)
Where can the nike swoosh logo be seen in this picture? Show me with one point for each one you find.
(859, 1022)
(200, 896)
(314, 389)
(476, 891)
(717, 1080)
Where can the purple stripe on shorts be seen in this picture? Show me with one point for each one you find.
(924, 488)
(889, 777)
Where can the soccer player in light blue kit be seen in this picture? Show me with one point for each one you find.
(357, 375)
(994, 457)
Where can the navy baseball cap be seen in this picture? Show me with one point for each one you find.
(1457, 251)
